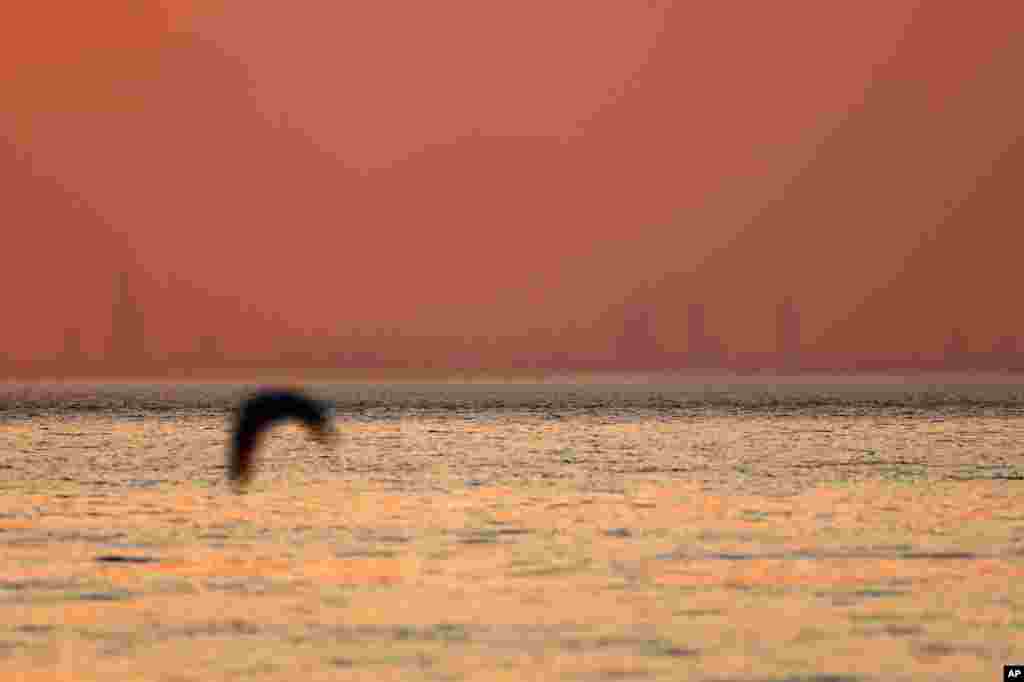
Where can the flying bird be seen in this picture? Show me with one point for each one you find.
(263, 409)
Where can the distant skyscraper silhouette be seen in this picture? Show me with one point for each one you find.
(1004, 352)
(208, 353)
(72, 357)
(788, 335)
(955, 355)
(126, 346)
(637, 347)
(696, 335)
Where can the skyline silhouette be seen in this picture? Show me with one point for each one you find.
(711, 162)
(635, 347)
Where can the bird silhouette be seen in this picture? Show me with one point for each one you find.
(259, 412)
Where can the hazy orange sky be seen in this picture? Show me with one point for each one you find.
(481, 167)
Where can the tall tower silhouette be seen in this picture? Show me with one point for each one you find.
(637, 347)
(1004, 352)
(696, 335)
(955, 354)
(788, 335)
(72, 359)
(208, 352)
(126, 345)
